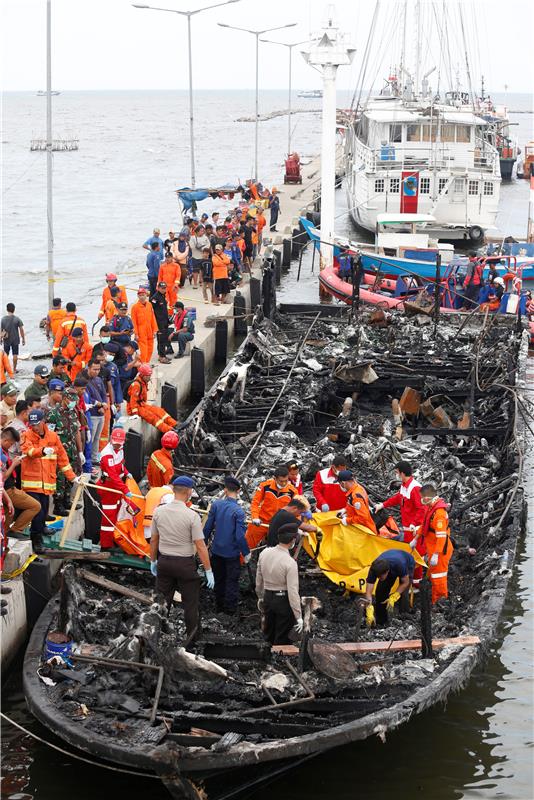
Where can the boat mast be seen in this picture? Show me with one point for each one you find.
(49, 209)
(418, 46)
(467, 69)
(403, 51)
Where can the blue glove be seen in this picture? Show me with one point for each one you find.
(306, 514)
(154, 568)
(210, 579)
(325, 507)
(129, 494)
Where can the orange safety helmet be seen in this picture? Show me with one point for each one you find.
(145, 370)
(118, 436)
(170, 440)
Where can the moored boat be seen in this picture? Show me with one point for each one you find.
(134, 704)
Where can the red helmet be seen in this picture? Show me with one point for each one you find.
(145, 370)
(170, 440)
(118, 436)
(110, 276)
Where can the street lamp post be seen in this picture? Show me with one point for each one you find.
(49, 162)
(188, 14)
(290, 50)
(257, 34)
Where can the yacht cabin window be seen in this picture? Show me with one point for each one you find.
(424, 186)
(394, 185)
(413, 133)
(463, 133)
(488, 188)
(379, 185)
(472, 187)
(395, 133)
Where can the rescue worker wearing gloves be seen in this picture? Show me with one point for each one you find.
(412, 510)
(38, 471)
(386, 569)
(160, 468)
(137, 405)
(356, 511)
(269, 497)
(437, 539)
(120, 297)
(175, 537)
(113, 476)
(326, 489)
(227, 518)
(145, 325)
(277, 587)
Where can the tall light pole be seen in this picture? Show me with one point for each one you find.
(188, 14)
(290, 51)
(49, 143)
(328, 52)
(257, 34)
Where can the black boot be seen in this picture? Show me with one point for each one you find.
(37, 542)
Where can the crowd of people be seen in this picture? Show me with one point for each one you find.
(279, 516)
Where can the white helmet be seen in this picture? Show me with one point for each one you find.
(500, 281)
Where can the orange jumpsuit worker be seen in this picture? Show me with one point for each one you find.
(357, 511)
(5, 366)
(137, 405)
(436, 534)
(170, 273)
(145, 325)
(77, 352)
(65, 328)
(108, 307)
(38, 470)
(55, 315)
(160, 469)
(269, 497)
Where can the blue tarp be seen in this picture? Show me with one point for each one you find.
(189, 196)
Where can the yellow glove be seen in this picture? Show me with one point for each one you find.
(392, 599)
(370, 615)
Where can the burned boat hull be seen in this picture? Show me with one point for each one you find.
(176, 763)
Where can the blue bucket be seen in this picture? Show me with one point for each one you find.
(58, 645)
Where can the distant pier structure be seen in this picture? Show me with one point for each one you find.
(57, 144)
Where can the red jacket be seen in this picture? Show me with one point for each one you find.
(408, 497)
(114, 471)
(327, 490)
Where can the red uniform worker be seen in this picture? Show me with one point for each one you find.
(294, 476)
(114, 474)
(326, 489)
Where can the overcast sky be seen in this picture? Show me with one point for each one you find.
(107, 44)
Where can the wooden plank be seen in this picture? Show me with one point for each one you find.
(66, 527)
(114, 587)
(376, 647)
(75, 555)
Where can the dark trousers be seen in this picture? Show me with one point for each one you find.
(273, 220)
(383, 590)
(39, 521)
(163, 342)
(176, 573)
(226, 572)
(471, 295)
(183, 339)
(153, 283)
(279, 618)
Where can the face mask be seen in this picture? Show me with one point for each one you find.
(109, 357)
(105, 339)
(72, 405)
(427, 501)
(281, 485)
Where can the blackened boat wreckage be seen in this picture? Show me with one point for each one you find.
(310, 383)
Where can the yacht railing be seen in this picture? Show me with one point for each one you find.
(483, 158)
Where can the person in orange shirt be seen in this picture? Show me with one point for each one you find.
(77, 352)
(269, 497)
(110, 298)
(137, 405)
(65, 328)
(5, 367)
(170, 273)
(357, 511)
(220, 263)
(160, 469)
(145, 325)
(437, 537)
(53, 318)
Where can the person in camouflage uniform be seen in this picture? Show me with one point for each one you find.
(63, 419)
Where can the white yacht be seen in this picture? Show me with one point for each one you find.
(413, 150)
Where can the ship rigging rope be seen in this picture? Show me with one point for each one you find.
(74, 755)
(280, 393)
